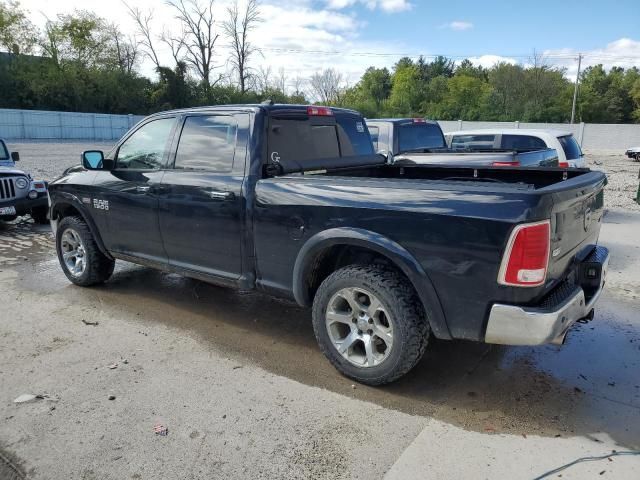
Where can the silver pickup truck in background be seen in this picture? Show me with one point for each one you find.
(420, 141)
(19, 193)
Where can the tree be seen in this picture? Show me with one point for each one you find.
(406, 91)
(17, 33)
(127, 49)
(327, 85)
(199, 37)
(508, 92)
(143, 21)
(237, 29)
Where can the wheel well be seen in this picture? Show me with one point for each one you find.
(338, 256)
(65, 210)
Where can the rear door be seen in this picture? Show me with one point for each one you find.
(126, 196)
(201, 211)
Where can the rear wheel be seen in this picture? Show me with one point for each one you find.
(370, 323)
(82, 261)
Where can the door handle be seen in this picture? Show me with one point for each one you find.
(143, 189)
(217, 195)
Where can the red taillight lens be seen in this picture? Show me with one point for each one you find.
(319, 111)
(563, 164)
(506, 164)
(419, 120)
(38, 185)
(526, 258)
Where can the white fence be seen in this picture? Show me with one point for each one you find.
(45, 125)
(591, 136)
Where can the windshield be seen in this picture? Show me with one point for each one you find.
(570, 146)
(416, 136)
(4, 154)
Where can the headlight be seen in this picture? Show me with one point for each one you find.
(22, 183)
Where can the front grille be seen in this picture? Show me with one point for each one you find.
(7, 189)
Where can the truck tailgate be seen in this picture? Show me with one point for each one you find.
(578, 207)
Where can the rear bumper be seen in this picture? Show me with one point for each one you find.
(517, 325)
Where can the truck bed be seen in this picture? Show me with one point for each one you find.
(454, 221)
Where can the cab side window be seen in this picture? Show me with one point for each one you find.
(145, 149)
(207, 143)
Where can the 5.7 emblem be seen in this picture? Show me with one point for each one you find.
(101, 204)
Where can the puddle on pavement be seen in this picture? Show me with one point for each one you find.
(589, 385)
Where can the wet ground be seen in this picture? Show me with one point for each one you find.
(590, 386)
(246, 393)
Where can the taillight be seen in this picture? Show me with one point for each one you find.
(526, 257)
(419, 120)
(515, 163)
(563, 164)
(319, 111)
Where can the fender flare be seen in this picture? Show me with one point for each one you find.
(68, 199)
(378, 243)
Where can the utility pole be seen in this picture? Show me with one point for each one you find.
(575, 90)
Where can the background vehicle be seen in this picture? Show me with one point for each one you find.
(19, 194)
(633, 153)
(292, 201)
(521, 140)
(416, 140)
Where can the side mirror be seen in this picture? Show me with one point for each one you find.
(384, 153)
(93, 160)
(15, 156)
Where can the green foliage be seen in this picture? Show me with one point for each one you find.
(17, 33)
(87, 65)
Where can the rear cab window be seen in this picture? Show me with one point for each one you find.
(418, 135)
(522, 143)
(299, 137)
(570, 146)
(473, 142)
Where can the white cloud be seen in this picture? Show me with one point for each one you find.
(389, 6)
(488, 61)
(289, 27)
(458, 25)
(623, 52)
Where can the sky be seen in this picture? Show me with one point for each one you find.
(305, 36)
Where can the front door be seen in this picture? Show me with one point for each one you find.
(127, 195)
(201, 209)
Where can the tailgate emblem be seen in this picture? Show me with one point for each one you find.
(587, 219)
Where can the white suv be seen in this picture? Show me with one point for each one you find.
(520, 139)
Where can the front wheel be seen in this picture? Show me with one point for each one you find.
(370, 323)
(82, 261)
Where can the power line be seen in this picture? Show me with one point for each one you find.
(559, 56)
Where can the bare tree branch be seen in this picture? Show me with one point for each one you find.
(237, 29)
(143, 21)
(199, 36)
(327, 85)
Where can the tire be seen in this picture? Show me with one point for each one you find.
(97, 268)
(399, 308)
(39, 215)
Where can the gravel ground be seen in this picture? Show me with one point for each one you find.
(622, 174)
(49, 160)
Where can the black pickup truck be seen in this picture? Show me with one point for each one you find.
(293, 201)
